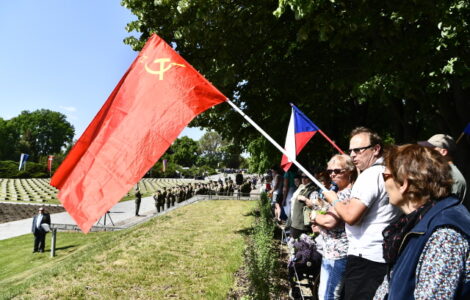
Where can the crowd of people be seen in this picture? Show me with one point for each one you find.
(390, 223)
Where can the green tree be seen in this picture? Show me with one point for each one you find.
(185, 151)
(231, 155)
(41, 132)
(400, 67)
(210, 144)
(218, 152)
(7, 141)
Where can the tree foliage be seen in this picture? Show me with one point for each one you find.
(39, 133)
(190, 158)
(7, 141)
(399, 67)
(219, 152)
(185, 151)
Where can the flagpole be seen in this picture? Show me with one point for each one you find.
(318, 183)
(331, 142)
(460, 137)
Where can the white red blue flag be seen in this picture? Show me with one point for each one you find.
(299, 132)
(23, 158)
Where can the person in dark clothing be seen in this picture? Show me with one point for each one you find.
(39, 229)
(138, 199)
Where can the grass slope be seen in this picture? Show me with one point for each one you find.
(190, 253)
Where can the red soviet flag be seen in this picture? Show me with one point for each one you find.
(153, 102)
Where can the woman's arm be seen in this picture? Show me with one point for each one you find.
(442, 265)
(329, 220)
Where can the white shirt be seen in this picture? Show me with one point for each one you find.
(365, 237)
(38, 220)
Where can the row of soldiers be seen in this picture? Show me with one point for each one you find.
(168, 197)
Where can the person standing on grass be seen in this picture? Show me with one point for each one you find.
(39, 229)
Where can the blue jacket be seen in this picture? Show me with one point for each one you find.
(447, 212)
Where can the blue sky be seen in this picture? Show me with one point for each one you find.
(63, 55)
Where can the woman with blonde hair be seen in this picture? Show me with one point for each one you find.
(335, 243)
(428, 248)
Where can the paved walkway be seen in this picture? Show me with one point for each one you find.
(122, 213)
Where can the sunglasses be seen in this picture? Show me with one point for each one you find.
(387, 176)
(336, 171)
(303, 176)
(360, 149)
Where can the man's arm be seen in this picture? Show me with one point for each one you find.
(350, 210)
(48, 219)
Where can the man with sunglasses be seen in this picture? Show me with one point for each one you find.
(366, 213)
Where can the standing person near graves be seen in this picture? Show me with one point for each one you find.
(166, 197)
(366, 214)
(40, 226)
(138, 200)
(159, 202)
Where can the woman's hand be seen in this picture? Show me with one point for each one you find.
(330, 196)
(306, 200)
(309, 202)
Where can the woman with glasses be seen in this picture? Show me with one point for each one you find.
(427, 249)
(335, 243)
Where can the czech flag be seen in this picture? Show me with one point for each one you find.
(299, 132)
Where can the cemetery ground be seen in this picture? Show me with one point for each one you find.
(193, 252)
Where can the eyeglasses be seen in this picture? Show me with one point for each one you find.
(360, 149)
(387, 176)
(336, 171)
(303, 176)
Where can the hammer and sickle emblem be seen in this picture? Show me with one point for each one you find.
(162, 68)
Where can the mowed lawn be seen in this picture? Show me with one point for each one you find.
(190, 253)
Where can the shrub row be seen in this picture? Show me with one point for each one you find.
(9, 169)
(262, 257)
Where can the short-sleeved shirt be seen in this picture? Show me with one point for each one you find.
(365, 237)
(335, 240)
